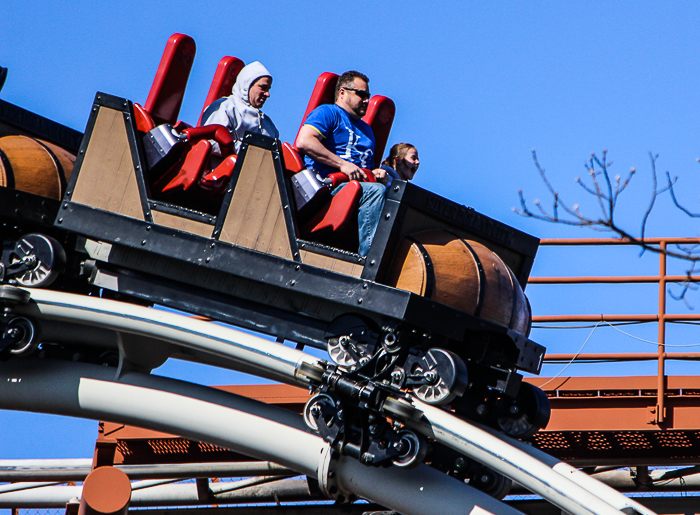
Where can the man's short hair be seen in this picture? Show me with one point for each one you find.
(347, 80)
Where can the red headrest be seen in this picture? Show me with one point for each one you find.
(224, 79)
(168, 89)
(323, 93)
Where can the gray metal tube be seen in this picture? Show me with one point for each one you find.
(165, 495)
(197, 412)
(234, 422)
(593, 485)
(63, 470)
(419, 491)
(504, 458)
(255, 355)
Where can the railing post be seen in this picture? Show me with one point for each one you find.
(661, 380)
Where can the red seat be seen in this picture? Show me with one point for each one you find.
(195, 161)
(380, 116)
(194, 168)
(323, 93)
(224, 78)
(336, 223)
(168, 88)
(380, 112)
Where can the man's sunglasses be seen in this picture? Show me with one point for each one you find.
(364, 95)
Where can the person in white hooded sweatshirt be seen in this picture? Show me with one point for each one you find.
(240, 112)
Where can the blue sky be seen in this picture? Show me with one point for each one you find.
(477, 86)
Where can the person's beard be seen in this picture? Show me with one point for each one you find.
(359, 110)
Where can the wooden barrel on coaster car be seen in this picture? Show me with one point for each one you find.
(463, 274)
(34, 166)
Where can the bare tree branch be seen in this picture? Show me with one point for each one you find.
(607, 194)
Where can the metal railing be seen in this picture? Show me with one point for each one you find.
(661, 317)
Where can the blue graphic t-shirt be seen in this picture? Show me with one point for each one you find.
(349, 139)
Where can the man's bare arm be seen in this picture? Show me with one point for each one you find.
(309, 142)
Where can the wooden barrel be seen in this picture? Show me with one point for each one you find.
(463, 274)
(34, 166)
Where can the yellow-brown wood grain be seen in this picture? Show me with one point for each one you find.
(256, 218)
(330, 263)
(182, 224)
(28, 165)
(65, 159)
(107, 177)
(453, 267)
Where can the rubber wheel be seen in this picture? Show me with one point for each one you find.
(528, 414)
(49, 260)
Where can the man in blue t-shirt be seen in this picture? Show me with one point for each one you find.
(335, 139)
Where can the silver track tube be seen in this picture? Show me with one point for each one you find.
(253, 354)
(77, 470)
(205, 414)
(498, 453)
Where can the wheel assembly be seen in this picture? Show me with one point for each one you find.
(438, 377)
(349, 340)
(35, 261)
(315, 409)
(527, 414)
(412, 449)
(19, 337)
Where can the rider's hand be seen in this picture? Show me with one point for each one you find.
(353, 172)
(381, 175)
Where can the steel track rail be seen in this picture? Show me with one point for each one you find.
(252, 428)
(564, 487)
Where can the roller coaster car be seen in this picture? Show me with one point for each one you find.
(436, 307)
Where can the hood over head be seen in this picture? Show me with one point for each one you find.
(247, 76)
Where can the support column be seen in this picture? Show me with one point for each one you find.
(106, 491)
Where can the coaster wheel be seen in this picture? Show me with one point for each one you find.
(41, 260)
(445, 376)
(491, 482)
(527, 414)
(20, 337)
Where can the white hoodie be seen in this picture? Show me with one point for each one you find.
(235, 111)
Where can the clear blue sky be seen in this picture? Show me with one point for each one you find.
(477, 86)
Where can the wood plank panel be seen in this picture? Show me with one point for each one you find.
(245, 186)
(330, 263)
(107, 177)
(256, 218)
(182, 224)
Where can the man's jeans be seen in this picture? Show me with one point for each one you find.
(370, 210)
